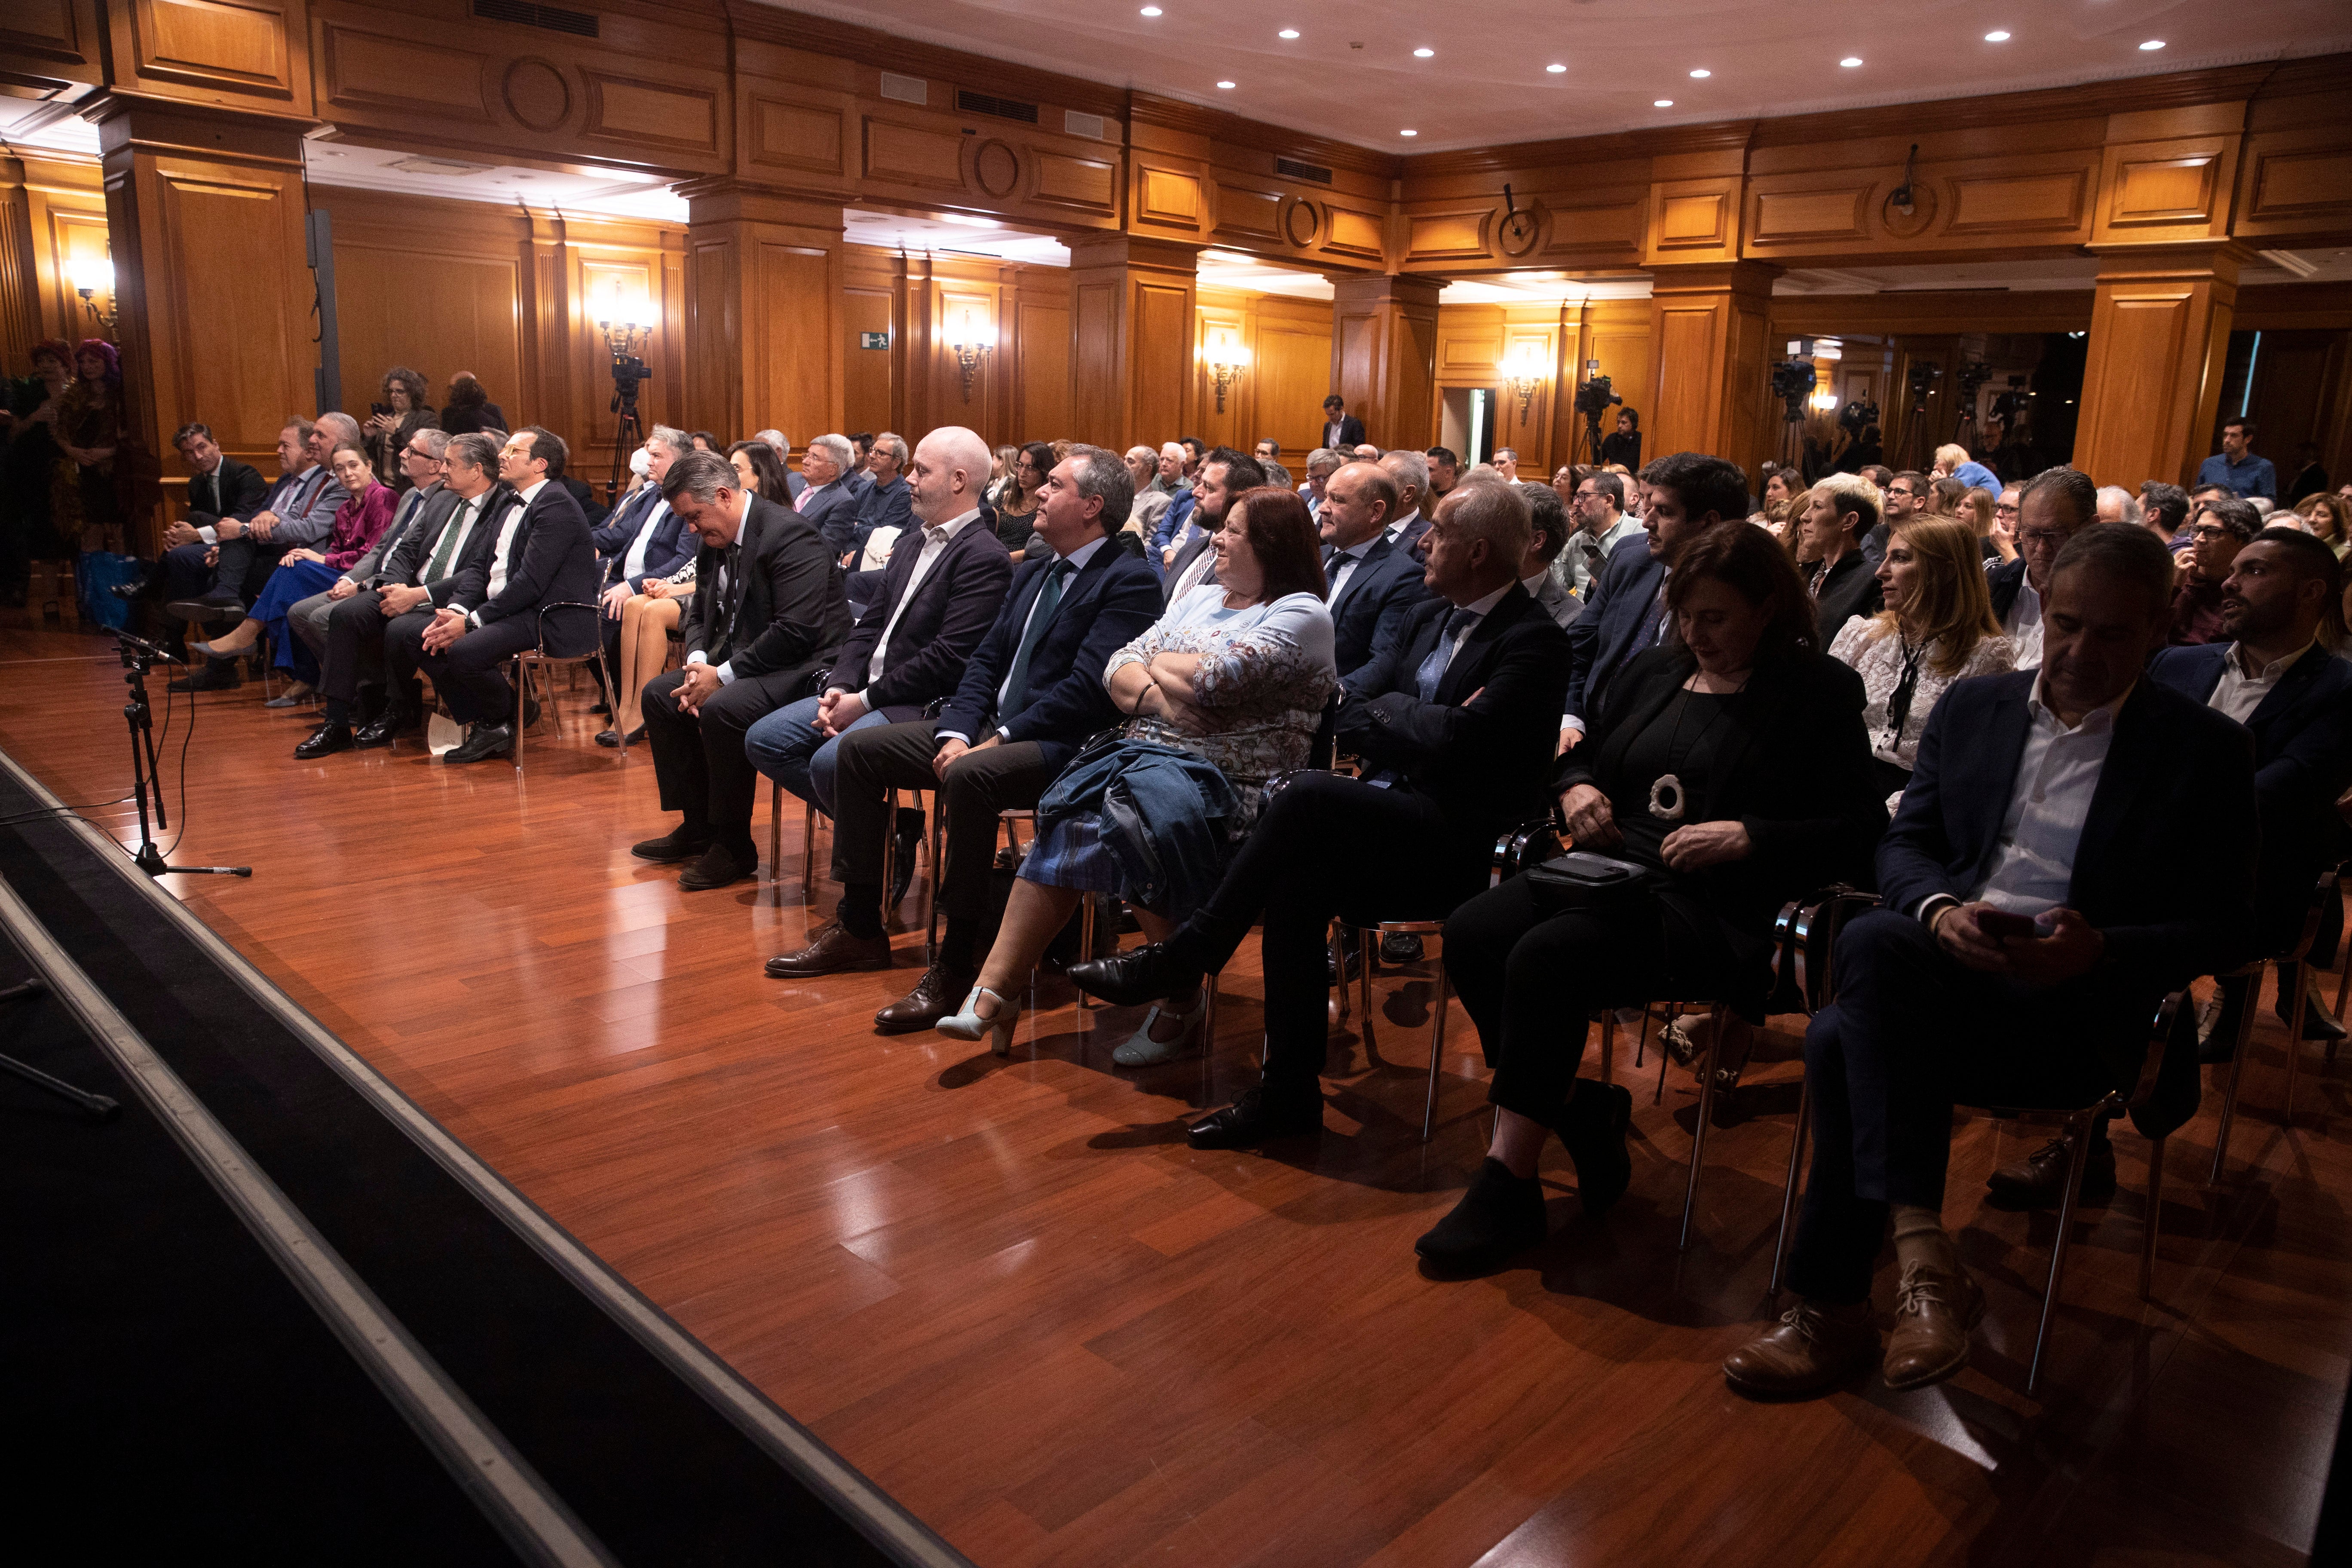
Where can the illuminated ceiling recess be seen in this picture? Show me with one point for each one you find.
(1576, 68)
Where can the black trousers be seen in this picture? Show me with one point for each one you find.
(1911, 1035)
(1529, 980)
(354, 653)
(699, 758)
(1328, 847)
(1007, 776)
(471, 674)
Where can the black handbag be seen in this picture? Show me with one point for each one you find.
(1581, 880)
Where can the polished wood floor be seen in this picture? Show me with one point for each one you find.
(1012, 1295)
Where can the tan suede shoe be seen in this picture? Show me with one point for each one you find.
(1815, 1347)
(1934, 1312)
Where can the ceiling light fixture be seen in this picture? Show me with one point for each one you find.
(1701, 75)
(1423, 54)
(1226, 84)
(1662, 104)
(1287, 33)
(1151, 10)
(1851, 61)
(1408, 133)
(1996, 37)
(2153, 44)
(1555, 70)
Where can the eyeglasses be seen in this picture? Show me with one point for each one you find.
(2041, 539)
(2003, 509)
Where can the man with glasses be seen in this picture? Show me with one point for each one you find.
(2220, 530)
(423, 460)
(2052, 510)
(1597, 512)
(1905, 496)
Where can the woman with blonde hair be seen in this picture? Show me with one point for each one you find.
(1976, 510)
(1938, 627)
(2329, 520)
(1945, 494)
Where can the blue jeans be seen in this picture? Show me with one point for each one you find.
(788, 747)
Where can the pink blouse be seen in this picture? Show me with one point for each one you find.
(359, 524)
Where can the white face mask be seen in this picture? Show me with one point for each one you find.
(640, 464)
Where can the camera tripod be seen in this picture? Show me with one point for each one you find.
(138, 656)
(627, 436)
(98, 1107)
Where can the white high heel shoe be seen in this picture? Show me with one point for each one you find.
(967, 1023)
(1141, 1050)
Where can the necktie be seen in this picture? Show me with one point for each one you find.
(1339, 563)
(731, 588)
(1433, 668)
(448, 547)
(1049, 599)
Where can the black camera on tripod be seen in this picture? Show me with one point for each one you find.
(1858, 415)
(1593, 397)
(1792, 384)
(629, 373)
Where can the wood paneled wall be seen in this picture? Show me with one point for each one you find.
(52, 218)
(1280, 390)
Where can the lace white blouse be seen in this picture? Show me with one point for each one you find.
(1875, 652)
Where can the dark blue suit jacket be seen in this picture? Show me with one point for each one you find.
(833, 515)
(1381, 595)
(1613, 626)
(670, 548)
(2170, 908)
(552, 561)
(2303, 765)
(1109, 603)
(884, 506)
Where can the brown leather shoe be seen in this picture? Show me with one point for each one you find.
(937, 993)
(1934, 1312)
(833, 952)
(2039, 1180)
(1816, 1346)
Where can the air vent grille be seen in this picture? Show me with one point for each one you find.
(905, 89)
(553, 18)
(1299, 171)
(1002, 107)
(1089, 125)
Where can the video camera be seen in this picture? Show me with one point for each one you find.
(629, 373)
(1792, 384)
(1593, 397)
(1858, 415)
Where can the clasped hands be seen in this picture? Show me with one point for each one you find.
(2072, 947)
(952, 748)
(837, 709)
(448, 626)
(1693, 847)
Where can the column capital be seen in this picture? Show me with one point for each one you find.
(724, 199)
(134, 121)
(1747, 278)
(1138, 252)
(1406, 289)
(2220, 260)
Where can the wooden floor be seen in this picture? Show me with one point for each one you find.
(1012, 1295)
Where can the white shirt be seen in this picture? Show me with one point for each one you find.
(206, 530)
(633, 564)
(1479, 608)
(1396, 529)
(507, 529)
(1078, 558)
(469, 512)
(720, 586)
(2239, 692)
(1343, 569)
(1196, 571)
(2024, 626)
(2057, 775)
(935, 544)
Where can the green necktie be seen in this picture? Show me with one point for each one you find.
(448, 546)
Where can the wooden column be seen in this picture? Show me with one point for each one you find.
(2152, 383)
(1131, 306)
(765, 328)
(20, 282)
(1384, 355)
(1711, 344)
(203, 207)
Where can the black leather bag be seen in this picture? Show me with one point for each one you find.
(1581, 880)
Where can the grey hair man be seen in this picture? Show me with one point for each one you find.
(1409, 471)
(835, 485)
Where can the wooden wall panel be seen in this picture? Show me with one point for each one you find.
(1292, 377)
(2176, 189)
(2151, 381)
(2296, 181)
(1040, 355)
(868, 384)
(473, 321)
(252, 53)
(64, 213)
(62, 36)
(225, 230)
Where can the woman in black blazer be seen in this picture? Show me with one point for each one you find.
(1733, 769)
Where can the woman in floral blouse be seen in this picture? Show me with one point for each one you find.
(1236, 672)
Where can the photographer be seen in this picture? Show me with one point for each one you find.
(394, 422)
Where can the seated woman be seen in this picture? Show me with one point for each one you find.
(1236, 672)
(359, 524)
(1938, 627)
(647, 619)
(1734, 772)
(761, 471)
(1016, 503)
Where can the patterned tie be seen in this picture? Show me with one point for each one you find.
(1049, 599)
(1433, 668)
(449, 532)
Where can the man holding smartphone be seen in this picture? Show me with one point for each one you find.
(2037, 910)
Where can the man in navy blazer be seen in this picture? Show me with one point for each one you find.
(1373, 584)
(2055, 798)
(643, 538)
(830, 503)
(1685, 494)
(2273, 676)
(1030, 695)
(2047, 517)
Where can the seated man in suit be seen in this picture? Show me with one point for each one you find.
(1375, 587)
(830, 503)
(1030, 697)
(2047, 517)
(1454, 728)
(1409, 471)
(1684, 494)
(1536, 574)
(937, 599)
(451, 529)
(219, 487)
(422, 463)
(2038, 907)
(1224, 474)
(537, 587)
(642, 540)
(767, 615)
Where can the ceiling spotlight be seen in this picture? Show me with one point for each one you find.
(1662, 104)
(1851, 61)
(1423, 54)
(1701, 76)
(1408, 133)
(1287, 33)
(1151, 10)
(1996, 37)
(1555, 70)
(2153, 44)
(1226, 84)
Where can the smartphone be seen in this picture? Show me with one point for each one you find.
(2002, 927)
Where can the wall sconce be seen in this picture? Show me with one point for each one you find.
(1825, 399)
(1528, 369)
(626, 327)
(93, 276)
(973, 340)
(1228, 360)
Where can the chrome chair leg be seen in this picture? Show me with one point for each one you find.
(2154, 1221)
(1789, 1192)
(2238, 1056)
(2078, 1155)
(1365, 949)
(776, 830)
(890, 921)
(1706, 1114)
(1436, 1050)
(522, 706)
(1339, 967)
(1085, 943)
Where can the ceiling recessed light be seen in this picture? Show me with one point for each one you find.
(1701, 75)
(1555, 70)
(1423, 54)
(1151, 10)
(1851, 61)
(1226, 84)
(1662, 104)
(2153, 44)
(1408, 133)
(1996, 37)
(1287, 33)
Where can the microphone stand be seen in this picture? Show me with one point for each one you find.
(138, 656)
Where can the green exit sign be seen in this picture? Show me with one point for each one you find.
(873, 340)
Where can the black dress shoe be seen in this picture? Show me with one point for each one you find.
(391, 722)
(677, 844)
(2039, 1180)
(1594, 1128)
(1254, 1120)
(610, 739)
(910, 837)
(939, 993)
(1500, 1215)
(1400, 947)
(482, 742)
(216, 675)
(325, 740)
(717, 867)
(211, 607)
(1138, 975)
(602, 709)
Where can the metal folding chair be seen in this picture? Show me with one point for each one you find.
(536, 657)
(2321, 893)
